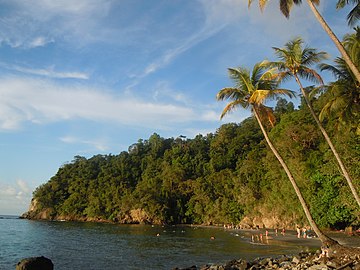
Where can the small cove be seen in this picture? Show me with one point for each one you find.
(78, 245)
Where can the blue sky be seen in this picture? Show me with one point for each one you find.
(91, 77)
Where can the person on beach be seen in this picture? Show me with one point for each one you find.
(304, 232)
(298, 231)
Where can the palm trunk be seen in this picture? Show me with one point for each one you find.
(323, 238)
(338, 44)
(329, 142)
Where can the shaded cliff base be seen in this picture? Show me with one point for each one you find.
(140, 216)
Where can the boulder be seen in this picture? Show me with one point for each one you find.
(35, 263)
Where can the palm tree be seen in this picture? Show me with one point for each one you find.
(285, 7)
(344, 93)
(354, 14)
(251, 90)
(295, 62)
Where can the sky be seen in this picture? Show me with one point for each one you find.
(92, 77)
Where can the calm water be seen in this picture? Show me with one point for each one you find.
(74, 245)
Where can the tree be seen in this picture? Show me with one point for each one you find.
(354, 14)
(285, 7)
(344, 93)
(252, 90)
(296, 61)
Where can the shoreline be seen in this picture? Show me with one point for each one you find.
(290, 235)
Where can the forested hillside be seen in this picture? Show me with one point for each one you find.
(220, 178)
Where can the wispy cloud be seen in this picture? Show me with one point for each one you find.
(30, 24)
(15, 197)
(42, 101)
(216, 15)
(47, 72)
(99, 145)
(40, 42)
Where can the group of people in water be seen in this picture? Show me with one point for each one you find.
(264, 237)
(301, 232)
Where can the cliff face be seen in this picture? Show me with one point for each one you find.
(139, 216)
(35, 213)
(134, 216)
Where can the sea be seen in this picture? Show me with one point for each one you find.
(84, 245)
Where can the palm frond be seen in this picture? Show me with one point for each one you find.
(230, 93)
(241, 78)
(283, 76)
(337, 73)
(258, 97)
(354, 15)
(311, 56)
(325, 112)
(285, 7)
(340, 4)
(262, 4)
(282, 54)
(249, 3)
(232, 106)
(317, 91)
(310, 75)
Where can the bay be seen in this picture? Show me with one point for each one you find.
(80, 245)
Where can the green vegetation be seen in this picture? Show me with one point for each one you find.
(218, 178)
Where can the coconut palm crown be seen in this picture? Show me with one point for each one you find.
(297, 60)
(252, 90)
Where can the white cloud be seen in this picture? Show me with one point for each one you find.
(30, 24)
(217, 14)
(7, 191)
(48, 72)
(163, 90)
(40, 42)
(78, 7)
(24, 188)
(14, 197)
(99, 144)
(42, 101)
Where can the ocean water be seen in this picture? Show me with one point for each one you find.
(76, 245)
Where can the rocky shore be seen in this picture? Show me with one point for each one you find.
(312, 261)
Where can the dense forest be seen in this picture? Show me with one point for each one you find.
(231, 175)
(214, 179)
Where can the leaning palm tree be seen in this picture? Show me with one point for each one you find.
(354, 14)
(285, 7)
(344, 93)
(251, 90)
(295, 62)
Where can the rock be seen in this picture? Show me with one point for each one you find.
(236, 264)
(35, 263)
(295, 260)
(318, 267)
(332, 264)
(285, 265)
(347, 259)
